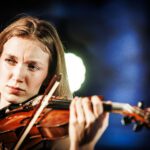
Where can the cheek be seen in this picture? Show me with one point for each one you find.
(3, 79)
(36, 82)
(3, 74)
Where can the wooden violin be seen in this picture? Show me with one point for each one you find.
(52, 124)
(49, 120)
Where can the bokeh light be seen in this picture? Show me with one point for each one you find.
(76, 71)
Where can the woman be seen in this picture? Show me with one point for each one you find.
(31, 53)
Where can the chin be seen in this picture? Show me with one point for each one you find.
(14, 99)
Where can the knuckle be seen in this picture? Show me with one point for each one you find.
(82, 121)
(95, 99)
(86, 101)
(78, 101)
(96, 102)
(91, 120)
(73, 122)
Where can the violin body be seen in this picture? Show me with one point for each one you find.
(50, 125)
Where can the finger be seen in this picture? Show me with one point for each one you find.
(104, 117)
(148, 109)
(104, 121)
(73, 115)
(88, 111)
(97, 106)
(80, 112)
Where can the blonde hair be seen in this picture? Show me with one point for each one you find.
(41, 30)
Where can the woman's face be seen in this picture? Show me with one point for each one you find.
(23, 68)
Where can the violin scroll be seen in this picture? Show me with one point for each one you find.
(133, 114)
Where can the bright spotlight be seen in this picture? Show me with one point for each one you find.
(76, 71)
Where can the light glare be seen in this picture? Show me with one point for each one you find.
(76, 71)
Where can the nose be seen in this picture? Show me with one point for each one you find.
(18, 73)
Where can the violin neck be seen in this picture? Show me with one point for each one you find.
(114, 107)
(59, 104)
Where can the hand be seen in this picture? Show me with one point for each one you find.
(147, 117)
(87, 122)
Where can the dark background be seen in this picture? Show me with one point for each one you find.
(112, 37)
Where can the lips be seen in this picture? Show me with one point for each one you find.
(14, 90)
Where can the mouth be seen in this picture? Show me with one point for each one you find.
(15, 90)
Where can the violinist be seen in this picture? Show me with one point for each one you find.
(31, 52)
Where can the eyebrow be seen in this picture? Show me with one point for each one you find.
(11, 56)
(29, 61)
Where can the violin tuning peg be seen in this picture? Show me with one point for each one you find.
(126, 120)
(137, 126)
(140, 104)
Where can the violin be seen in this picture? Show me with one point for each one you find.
(52, 124)
(19, 131)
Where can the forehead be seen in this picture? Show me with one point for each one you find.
(24, 46)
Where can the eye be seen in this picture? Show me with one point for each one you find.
(33, 67)
(10, 61)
